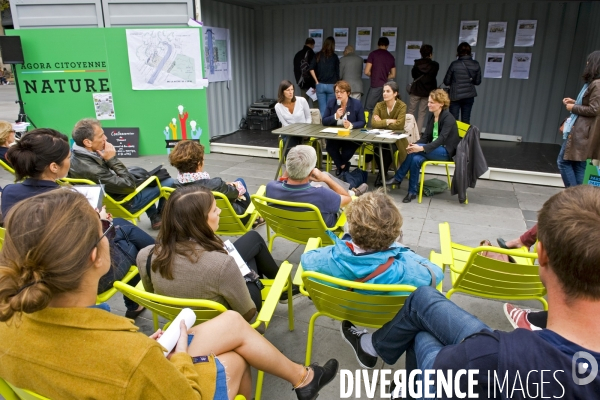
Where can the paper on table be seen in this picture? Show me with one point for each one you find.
(236, 256)
(330, 130)
(392, 135)
(312, 93)
(93, 193)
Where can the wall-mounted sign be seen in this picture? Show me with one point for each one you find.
(125, 140)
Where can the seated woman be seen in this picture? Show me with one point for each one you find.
(343, 111)
(62, 345)
(291, 109)
(374, 224)
(7, 138)
(188, 157)
(438, 143)
(388, 114)
(190, 261)
(42, 157)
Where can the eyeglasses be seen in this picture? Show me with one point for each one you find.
(109, 231)
(340, 91)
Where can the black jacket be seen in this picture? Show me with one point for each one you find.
(310, 55)
(219, 185)
(462, 76)
(327, 69)
(470, 164)
(447, 133)
(427, 69)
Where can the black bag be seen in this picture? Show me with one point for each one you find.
(355, 178)
(141, 175)
(409, 86)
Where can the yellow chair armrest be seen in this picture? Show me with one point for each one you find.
(139, 188)
(268, 308)
(262, 190)
(378, 287)
(340, 222)
(312, 244)
(74, 181)
(446, 244)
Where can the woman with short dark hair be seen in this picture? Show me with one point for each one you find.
(462, 76)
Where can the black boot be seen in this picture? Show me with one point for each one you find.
(321, 377)
(409, 197)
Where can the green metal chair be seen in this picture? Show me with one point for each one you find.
(7, 167)
(2, 234)
(313, 142)
(104, 296)
(297, 226)
(371, 310)
(480, 276)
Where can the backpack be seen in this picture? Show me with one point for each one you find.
(141, 175)
(305, 75)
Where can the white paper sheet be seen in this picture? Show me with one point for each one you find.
(468, 32)
(330, 130)
(104, 106)
(520, 66)
(217, 54)
(391, 33)
(525, 36)
(236, 256)
(496, 35)
(93, 193)
(341, 38)
(316, 34)
(494, 64)
(412, 51)
(312, 94)
(363, 38)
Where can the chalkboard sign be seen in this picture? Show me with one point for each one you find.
(125, 140)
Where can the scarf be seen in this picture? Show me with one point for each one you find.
(573, 117)
(188, 177)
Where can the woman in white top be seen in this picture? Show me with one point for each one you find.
(291, 109)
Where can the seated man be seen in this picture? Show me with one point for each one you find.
(95, 159)
(300, 170)
(437, 334)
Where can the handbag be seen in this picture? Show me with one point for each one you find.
(409, 86)
(140, 175)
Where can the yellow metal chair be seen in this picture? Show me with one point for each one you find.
(313, 142)
(7, 167)
(116, 208)
(2, 233)
(297, 226)
(462, 131)
(104, 296)
(170, 307)
(230, 223)
(371, 310)
(480, 276)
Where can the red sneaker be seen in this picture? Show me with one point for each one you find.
(518, 317)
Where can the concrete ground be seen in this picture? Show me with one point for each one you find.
(495, 209)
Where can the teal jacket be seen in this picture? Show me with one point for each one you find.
(341, 262)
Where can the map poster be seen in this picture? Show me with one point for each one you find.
(391, 34)
(363, 38)
(468, 32)
(520, 66)
(125, 140)
(525, 36)
(164, 59)
(317, 35)
(412, 51)
(494, 64)
(217, 55)
(341, 38)
(103, 105)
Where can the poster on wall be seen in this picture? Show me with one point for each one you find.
(525, 33)
(520, 66)
(125, 140)
(411, 51)
(391, 34)
(363, 38)
(104, 106)
(468, 32)
(217, 54)
(496, 35)
(164, 59)
(494, 64)
(341, 38)
(316, 34)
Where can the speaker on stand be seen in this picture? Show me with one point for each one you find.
(12, 53)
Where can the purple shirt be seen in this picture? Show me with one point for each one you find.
(382, 63)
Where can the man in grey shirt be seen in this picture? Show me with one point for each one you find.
(351, 68)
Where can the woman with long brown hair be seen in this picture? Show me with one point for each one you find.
(325, 70)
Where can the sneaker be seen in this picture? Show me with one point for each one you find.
(362, 189)
(321, 377)
(284, 296)
(352, 336)
(156, 221)
(518, 317)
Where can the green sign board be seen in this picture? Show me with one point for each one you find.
(66, 71)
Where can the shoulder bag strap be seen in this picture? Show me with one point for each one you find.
(468, 72)
(378, 271)
(149, 264)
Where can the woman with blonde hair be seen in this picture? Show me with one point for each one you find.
(7, 138)
(438, 143)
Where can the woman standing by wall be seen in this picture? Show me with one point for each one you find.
(325, 70)
(462, 76)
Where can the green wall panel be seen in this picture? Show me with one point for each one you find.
(58, 100)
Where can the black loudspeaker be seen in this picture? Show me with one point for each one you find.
(11, 50)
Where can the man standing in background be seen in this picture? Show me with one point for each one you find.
(381, 67)
(424, 74)
(351, 67)
(304, 79)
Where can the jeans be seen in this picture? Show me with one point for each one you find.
(572, 172)
(324, 94)
(424, 325)
(128, 241)
(255, 253)
(463, 106)
(413, 164)
(341, 151)
(146, 195)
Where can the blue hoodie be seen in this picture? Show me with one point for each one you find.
(341, 262)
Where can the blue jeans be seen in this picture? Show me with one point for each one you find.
(324, 94)
(146, 195)
(427, 323)
(413, 164)
(572, 172)
(463, 106)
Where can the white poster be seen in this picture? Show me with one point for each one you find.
(496, 35)
(525, 32)
(316, 34)
(164, 59)
(363, 38)
(391, 34)
(411, 52)
(103, 105)
(468, 32)
(217, 54)
(341, 38)
(494, 63)
(520, 66)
